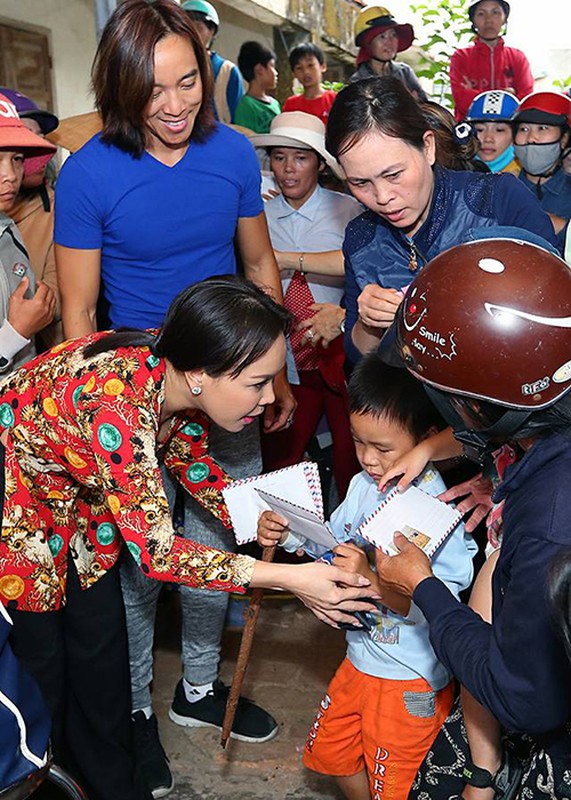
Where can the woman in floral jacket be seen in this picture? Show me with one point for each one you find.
(83, 427)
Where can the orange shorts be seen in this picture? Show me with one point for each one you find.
(381, 725)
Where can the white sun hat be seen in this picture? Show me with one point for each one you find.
(300, 130)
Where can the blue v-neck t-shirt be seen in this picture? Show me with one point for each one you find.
(159, 228)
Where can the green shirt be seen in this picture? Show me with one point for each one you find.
(257, 115)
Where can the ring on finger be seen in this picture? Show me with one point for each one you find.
(310, 333)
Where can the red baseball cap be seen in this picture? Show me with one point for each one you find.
(15, 136)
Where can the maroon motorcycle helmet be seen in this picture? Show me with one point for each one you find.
(491, 320)
(486, 326)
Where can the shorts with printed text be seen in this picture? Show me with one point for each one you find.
(381, 725)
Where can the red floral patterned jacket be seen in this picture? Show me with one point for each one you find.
(82, 476)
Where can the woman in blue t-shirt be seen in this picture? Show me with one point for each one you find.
(152, 204)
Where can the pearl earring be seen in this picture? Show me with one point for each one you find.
(196, 390)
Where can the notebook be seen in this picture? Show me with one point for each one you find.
(422, 518)
(294, 492)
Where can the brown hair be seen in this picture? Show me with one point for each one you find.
(452, 151)
(381, 104)
(123, 70)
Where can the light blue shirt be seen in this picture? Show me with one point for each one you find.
(398, 648)
(316, 227)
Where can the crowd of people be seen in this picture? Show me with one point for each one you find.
(169, 325)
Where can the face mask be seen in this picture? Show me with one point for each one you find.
(538, 159)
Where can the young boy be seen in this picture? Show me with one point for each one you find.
(390, 695)
(25, 307)
(307, 62)
(257, 108)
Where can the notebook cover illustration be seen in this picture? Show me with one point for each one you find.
(422, 518)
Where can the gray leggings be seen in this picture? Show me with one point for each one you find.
(203, 612)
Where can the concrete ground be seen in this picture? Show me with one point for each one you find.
(294, 656)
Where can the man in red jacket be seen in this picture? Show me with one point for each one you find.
(488, 63)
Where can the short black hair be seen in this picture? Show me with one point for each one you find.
(377, 389)
(200, 16)
(251, 54)
(305, 50)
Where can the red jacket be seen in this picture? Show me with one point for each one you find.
(479, 68)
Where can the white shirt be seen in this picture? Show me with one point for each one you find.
(316, 227)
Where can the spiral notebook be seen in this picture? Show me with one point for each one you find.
(294, 492)
(423, 519)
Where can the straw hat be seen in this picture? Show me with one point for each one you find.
(300, 130)
(74, 132)
(14, 134)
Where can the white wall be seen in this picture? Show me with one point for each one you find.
(235, 28)
(70, 26)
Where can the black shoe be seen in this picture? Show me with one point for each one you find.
(508, 778)
(251, 723)
(150, 756)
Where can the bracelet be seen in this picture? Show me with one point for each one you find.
(300, 262)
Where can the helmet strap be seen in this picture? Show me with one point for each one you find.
(478, 445)
(380, 60)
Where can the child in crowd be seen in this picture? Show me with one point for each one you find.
(257, 108)
(33, 211)
(307, 62)
(25, 308)
(390, 695)
(490, 113)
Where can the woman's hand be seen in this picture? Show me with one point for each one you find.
(272, 529)
(331, 593)
(377, 306)
(402, 573)
(324, 325)
(270, 194)
(477, 498)
(280, 413)
(28, 316)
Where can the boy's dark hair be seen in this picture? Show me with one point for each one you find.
(391, 392)
(251, 54)
(305, 50)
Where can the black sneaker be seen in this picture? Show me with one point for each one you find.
(251, 723)
(150, 756)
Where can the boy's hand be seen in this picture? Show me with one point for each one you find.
(351, 558)
(272, 529)
(28, 316)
